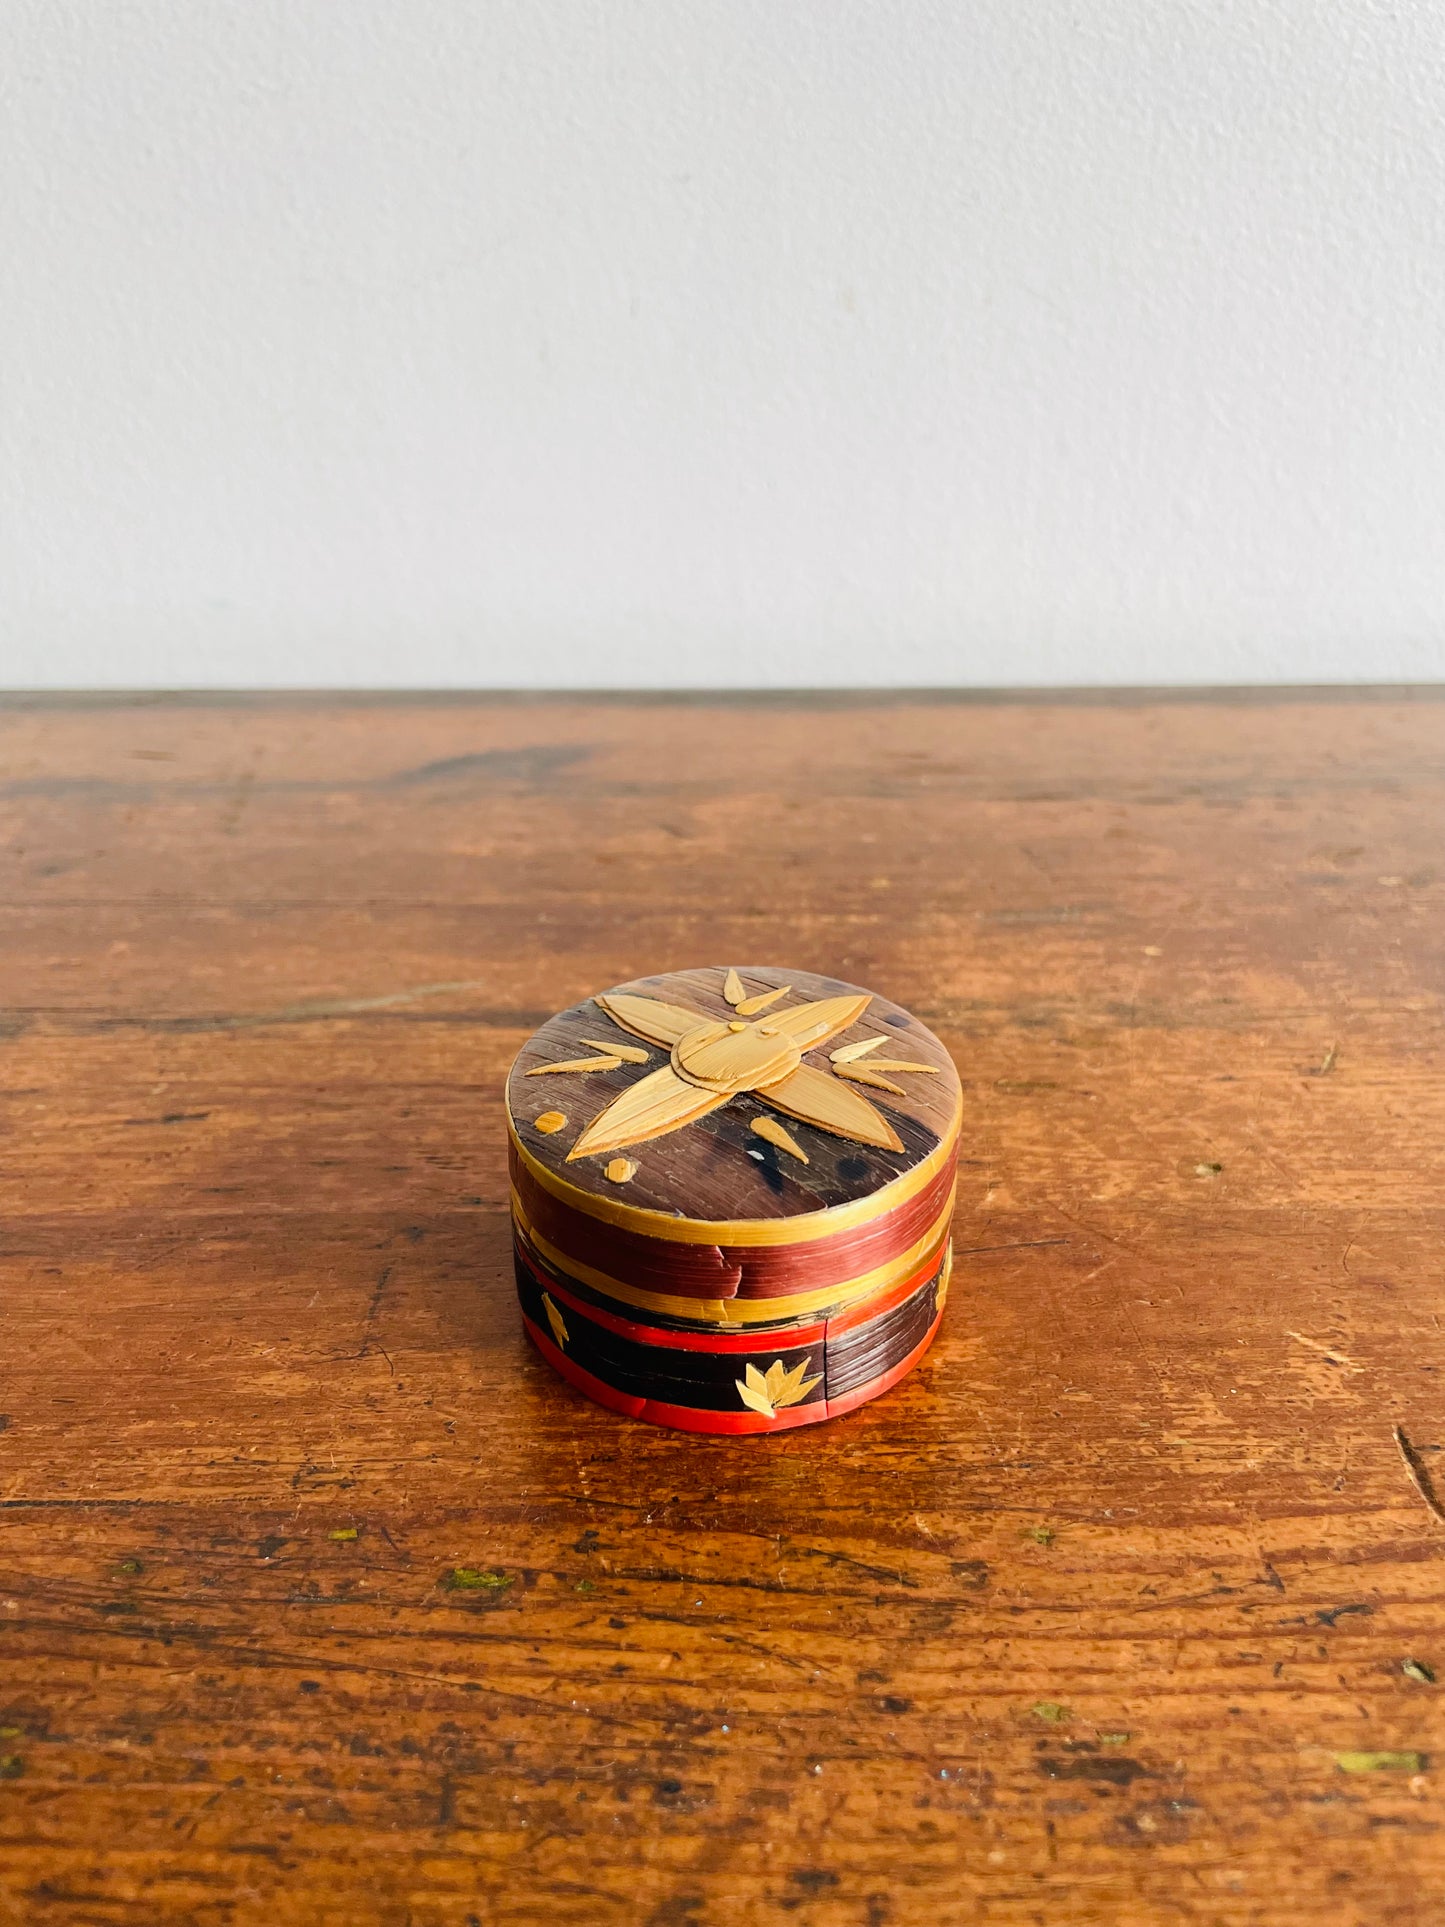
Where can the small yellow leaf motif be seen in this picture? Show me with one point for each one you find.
(733, 988)
(769, 1128)
(860, 1074)
(940, 1297)
(851, 1052)
(611, 1063)
(900, 1064)
(551, 1121)
(753, 1391)
(554, 1319)
(794, 1387)
(769, 1392)
(620, 1170)
(750, 1006)
(629, 1053)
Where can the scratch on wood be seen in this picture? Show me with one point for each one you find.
(268, 1658)
(1032, 1244)
(235, 808)
(1419, 1477)
(309, 1011)
(856, 1565)
(372, 1309)
(809, 1665)
(1331, 1353)
(353, 1006)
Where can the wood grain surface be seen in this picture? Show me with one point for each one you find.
(323, 1602)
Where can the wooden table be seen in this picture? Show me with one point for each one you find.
(323, 1602)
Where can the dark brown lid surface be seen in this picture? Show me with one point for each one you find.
(732, 1094)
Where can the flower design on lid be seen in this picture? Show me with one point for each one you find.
(758, 1051)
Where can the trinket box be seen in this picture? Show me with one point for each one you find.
(731, 1195)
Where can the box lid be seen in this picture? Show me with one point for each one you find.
(734, 1105)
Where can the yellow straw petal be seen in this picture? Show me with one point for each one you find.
(649, 1017)
(861, 1074)
(653, 1106)
(848, 1052)
(578, 1064)
(812, 1024)
(769, 1128)
(629, 1053)
(818, 1098)
(750, 1006)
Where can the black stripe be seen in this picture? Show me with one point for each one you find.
(859, 1356)
(704, 1379)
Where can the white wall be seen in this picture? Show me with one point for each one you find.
(721, 341)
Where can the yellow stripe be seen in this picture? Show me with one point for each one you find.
(742, 1311)
(826, 1223)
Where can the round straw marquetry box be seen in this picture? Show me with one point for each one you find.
(731, 1196)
